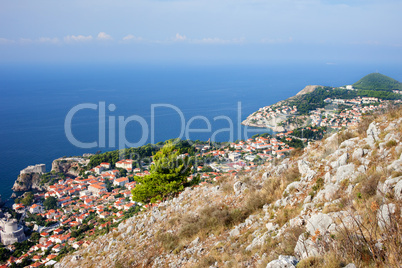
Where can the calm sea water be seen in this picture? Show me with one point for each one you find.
(35, 99)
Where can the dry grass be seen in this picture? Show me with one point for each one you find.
(394, 113)
(364, 124)
(292, 174)
(369, 185)
(328, 261)
(206, 262)
(168, 241)
(345, 135)
(283, 245)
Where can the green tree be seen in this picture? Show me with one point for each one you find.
(28, 199)
(50, 203)
(168, 176)
(4, 254)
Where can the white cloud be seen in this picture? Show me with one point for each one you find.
(104, 36)
(179, 37)
(54, 40)
(6, 41)
(77, 38)
(131, 37)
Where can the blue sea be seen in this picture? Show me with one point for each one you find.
(36, 99)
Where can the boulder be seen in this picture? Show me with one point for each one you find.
(303, 166)
(307, 199)
(305, 171)
(358, 153)
(239, 187)
(296, 222)
(372, 134)
(396, 166)
(348, 143)
(234, 232)
(271, 227)
(384, 215)
(388, 186)
(306, 247)
(327, 177)
(344, 172)
(265, 176)
(321, 222)
(391, 126)
(283, 262)
(328, 193)
(398, 190)
(294, 185)
(257, 241)
(341, 161)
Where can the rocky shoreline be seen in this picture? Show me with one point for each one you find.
(30, 177)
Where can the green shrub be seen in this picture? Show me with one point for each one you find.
(391, 144)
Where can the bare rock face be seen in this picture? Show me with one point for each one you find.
(27, 182)
(345, 172)
(305, 171)
(283, 262)
(321, 222)
(372, 134)
(398, 190)
(307, 89)
(384, 215)
(239, 187)
(318, 223)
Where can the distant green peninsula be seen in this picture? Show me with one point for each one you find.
(378, 82)
(371, 91)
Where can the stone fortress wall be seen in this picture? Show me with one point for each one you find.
(11, 232)
(40, 168)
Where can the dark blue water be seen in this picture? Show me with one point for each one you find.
(35, 100)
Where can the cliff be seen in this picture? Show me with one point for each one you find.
(27, 182)
(307, 89)
(336, 202)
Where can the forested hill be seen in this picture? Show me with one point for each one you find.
(372, 85)
(378, 82)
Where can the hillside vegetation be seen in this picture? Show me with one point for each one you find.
(336, 203)
(379, 82)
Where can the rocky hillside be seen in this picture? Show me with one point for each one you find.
(27, 182)
(335, 204)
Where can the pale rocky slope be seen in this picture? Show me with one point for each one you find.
(339, 199)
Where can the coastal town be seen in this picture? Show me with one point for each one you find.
(336, 114)
(70, 207)
(71, 211)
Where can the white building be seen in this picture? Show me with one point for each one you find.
(11, 232)
(125, 164)
(97, 189)
(234, 156)
(35, 208)
(120, 181)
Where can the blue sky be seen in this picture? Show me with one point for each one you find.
(200, 31)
